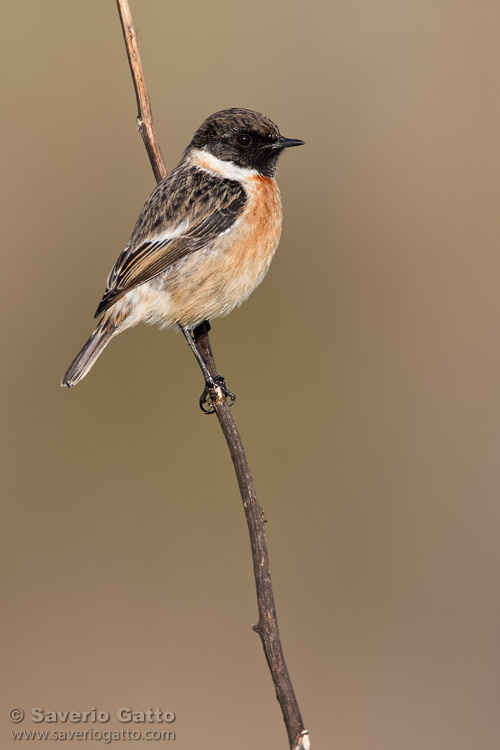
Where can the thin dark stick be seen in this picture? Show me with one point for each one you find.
(267, 627)
(144, 112)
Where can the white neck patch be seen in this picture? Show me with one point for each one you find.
(227, 169)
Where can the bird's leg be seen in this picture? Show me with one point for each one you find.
(209, 380)
(212, 382)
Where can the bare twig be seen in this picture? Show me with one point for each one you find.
(144, 113)
(267, 627)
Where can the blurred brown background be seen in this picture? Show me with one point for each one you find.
(367, 369)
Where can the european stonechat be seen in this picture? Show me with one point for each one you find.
(204, 238)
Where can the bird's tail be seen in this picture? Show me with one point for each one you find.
(89, 353)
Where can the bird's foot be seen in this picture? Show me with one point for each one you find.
(209, 394)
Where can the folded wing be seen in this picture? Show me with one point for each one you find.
(186, 212)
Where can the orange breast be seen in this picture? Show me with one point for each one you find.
(211, 283)
(261, 223)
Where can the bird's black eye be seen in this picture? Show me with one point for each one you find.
(244, 140)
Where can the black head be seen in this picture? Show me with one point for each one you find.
(246, 138)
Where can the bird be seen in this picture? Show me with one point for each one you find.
(204, 238)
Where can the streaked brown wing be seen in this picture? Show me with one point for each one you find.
(195, 208)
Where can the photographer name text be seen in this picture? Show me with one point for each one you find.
(125, 715)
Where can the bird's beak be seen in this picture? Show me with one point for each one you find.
(287, 142)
